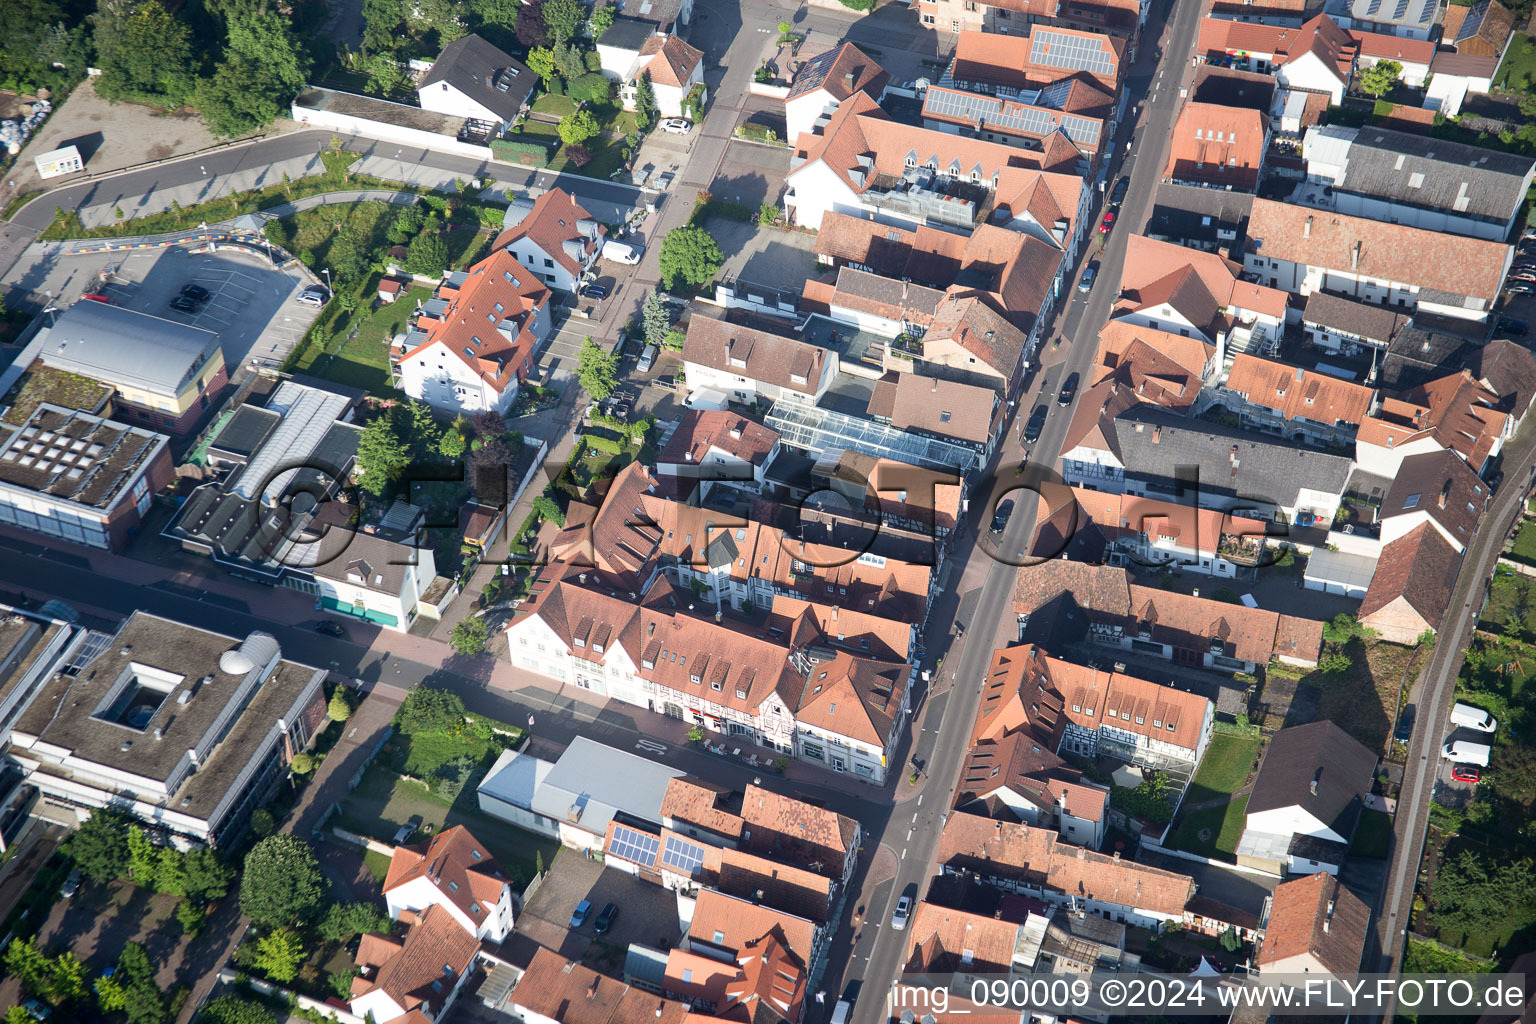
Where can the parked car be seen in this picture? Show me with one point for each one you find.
(594, 291)
(1121, 187)
(1467, 751)
(312, 296)
(1000, 519)
(329, 628)
(182, 304)
(404, 833)
(1404, 731)
(677, 125)
(1466, 773)
(37, 1010)
(196, 292)
(1509, 325)
(622, 252)
(94, 297)
(647, 359)
(582, 912)
(1521, 288)
(1473, 717)
(1035, 424)
(71, 884)
(1109, 219)
(902, 912)
(1089, 274)
(1068, 391)
(605, 918)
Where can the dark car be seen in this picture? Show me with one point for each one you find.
(197, 293)
(594, 291)
(1404, 731)
(1509, 325)
(1121, 187)
(329, 628)
(1035, 425)
(182, 304)
(1521, 288)
(1004, 510)
(581, 913)
(1068, 391)
(605, 919)
(1090, 274)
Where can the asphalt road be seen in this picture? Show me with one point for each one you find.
(913, 833)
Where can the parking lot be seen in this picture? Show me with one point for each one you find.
(647, 912)
(250, 305)
(770, 258)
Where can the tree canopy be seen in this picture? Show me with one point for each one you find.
(689, 255)
(282, 883)
(469, 635)
(597, 369)
(100, 846)
(1380, 77)
(382, 454)
(1472, 889)
(564, 18)
(427, 710)
(145, 55)
(578, 127)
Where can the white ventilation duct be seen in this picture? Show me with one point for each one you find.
(257, 649)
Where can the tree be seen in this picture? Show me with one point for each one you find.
(1334, 663)
(591, 87)
(452, 444)
(208, 877)
(27, 964)
(548, 509)
(383, 21)
(279, 954)
(143, 1002)
(1474, 891)
(645, 103)
(423, 431)
(426, 710)
(262, 822)
(674, 340)
(469, 635)
(303, 763)
(1345, 627)
(579, 156)
(428, 252)
(569, 63)
(407, 224)
(145, 55)
(541, 61)
(345, 920)
(191, 917)
(340, 707)
(263, 69)
(171, 871)
(234, 1010)
(597, 370)
(348, 258)
(655, 318)
(1229, 940)
(382, 455)
(282, 883)
(564, 18)
(67, 979)
(143, 859)
(577, 128)
(529, 26)
(602, 20)
(689, 255)
(100, 846)
(1380, 77)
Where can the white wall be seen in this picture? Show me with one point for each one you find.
(350, 125)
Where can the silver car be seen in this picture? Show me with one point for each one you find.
(902, 912)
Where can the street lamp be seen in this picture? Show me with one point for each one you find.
(327, 272)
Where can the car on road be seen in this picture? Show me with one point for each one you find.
(677, 125)
(605, 918)
(594, 291)
(582, 912)
(1090, 273)
(71, 884)
(902, 913)
(37, 1010)
(329, 628)
(1108, 221)
(1466, 773)
(182, 304)
(196, 292)
(1000, 519)
(1036, 423)
(1068, 390)
(1121, 188)
(1509, 325)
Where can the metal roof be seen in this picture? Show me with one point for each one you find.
(118, 346)
(307, 413)
(591, 783)
(821, 430)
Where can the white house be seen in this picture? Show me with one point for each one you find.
(1413, 56)
(453, 871)
(475, 342)
(711, 446)
(1322, 59)
(826, 80)
(420, 975)
(742, 363)
(1306, 801)
(553, 236)
(1437, 488)
(633, 47)
(475, 80)
(380, 574)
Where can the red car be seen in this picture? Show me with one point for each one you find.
(1109, 218)
(96, 298)
(1466, 773)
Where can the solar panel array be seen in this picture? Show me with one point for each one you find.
(1059, 50)
(686, 857)
(1017, 119)
(1375, 5)
(633, 845)
(1427, 13)
(1402, 9)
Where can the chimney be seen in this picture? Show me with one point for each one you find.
(1444, 493)
(1232, 455)
(848, 80)
(1354, 257)
(1313, 787)
(1157, 435)
(592, 990)
(1306, 231)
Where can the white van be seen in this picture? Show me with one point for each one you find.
(840, 1011)
(1465, 752)
(1473, 718)
(622, 252)
(647, 359)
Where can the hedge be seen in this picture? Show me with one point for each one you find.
(512, 151)
(607, 445)
(759, 133)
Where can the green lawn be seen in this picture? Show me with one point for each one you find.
(554, 106)
(1524, 547)
(377, 865)
(363, 361)
(1373, 835)
(1226, 764)
(1224, 825)
(1518, 72)
(383, 800)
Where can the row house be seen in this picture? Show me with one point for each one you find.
(1177, 627)
(1121, 18)
(810, 701)
(1302, 250)
(1319, 57)
(1030, 861)
(1456, 413)
(1195, 293)
(1303, 405)
(743, 365)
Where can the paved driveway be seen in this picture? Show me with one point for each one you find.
(647, 912)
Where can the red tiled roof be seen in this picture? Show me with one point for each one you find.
(557, 218)
(674, 61)
(703, 430)
(456, 863)
(1294, 392)
(1221, 146)
(425, 967)
(1316, 915)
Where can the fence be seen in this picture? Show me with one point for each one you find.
(1196, 858)
(354, 839)
(266, 988)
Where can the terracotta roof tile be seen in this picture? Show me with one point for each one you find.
(841, 72)
(556, 220)
(770, 358)
(423, 971)
(455, 862)
(854, 697)
(696, 802)
(1319, 916)
(1418, 568)
(796, 832)
(1297, 393)
(1219, 146)
(674, 61)
(943, 940)
(734, 924)
(704, 429)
